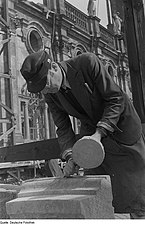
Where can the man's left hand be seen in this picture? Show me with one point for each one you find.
(70, 168)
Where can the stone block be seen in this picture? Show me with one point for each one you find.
(7, 193)
(87, 197)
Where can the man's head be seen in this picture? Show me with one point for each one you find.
(41, 74)
(54, 79)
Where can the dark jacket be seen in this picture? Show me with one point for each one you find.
(102, 101)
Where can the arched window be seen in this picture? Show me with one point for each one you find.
(110, 71)
(79, 49)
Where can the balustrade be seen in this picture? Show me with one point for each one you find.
(79, 18)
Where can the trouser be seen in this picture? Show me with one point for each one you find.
(126, 167)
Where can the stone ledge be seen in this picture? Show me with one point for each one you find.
(87, 197)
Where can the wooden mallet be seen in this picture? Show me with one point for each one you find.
(88, 153)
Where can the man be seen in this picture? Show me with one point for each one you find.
(81, 87)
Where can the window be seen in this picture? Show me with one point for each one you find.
(34, 40)
(110, 70)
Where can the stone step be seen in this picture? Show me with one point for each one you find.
(87, 197)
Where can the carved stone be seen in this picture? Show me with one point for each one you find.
(87, 197)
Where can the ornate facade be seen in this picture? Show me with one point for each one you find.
(65, 32)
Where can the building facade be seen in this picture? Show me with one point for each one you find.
(65, 32)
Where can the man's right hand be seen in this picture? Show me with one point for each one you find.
(70, 168)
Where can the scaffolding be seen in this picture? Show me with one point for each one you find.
(7, 118)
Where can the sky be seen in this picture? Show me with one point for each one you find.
(82, 5)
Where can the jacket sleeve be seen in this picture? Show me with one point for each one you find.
(110, 92)
(66, 135)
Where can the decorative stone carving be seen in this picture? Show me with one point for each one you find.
(117, 24)
(92, 8)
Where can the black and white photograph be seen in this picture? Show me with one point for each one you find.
(72, 111)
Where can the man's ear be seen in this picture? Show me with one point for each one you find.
(54, 66)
